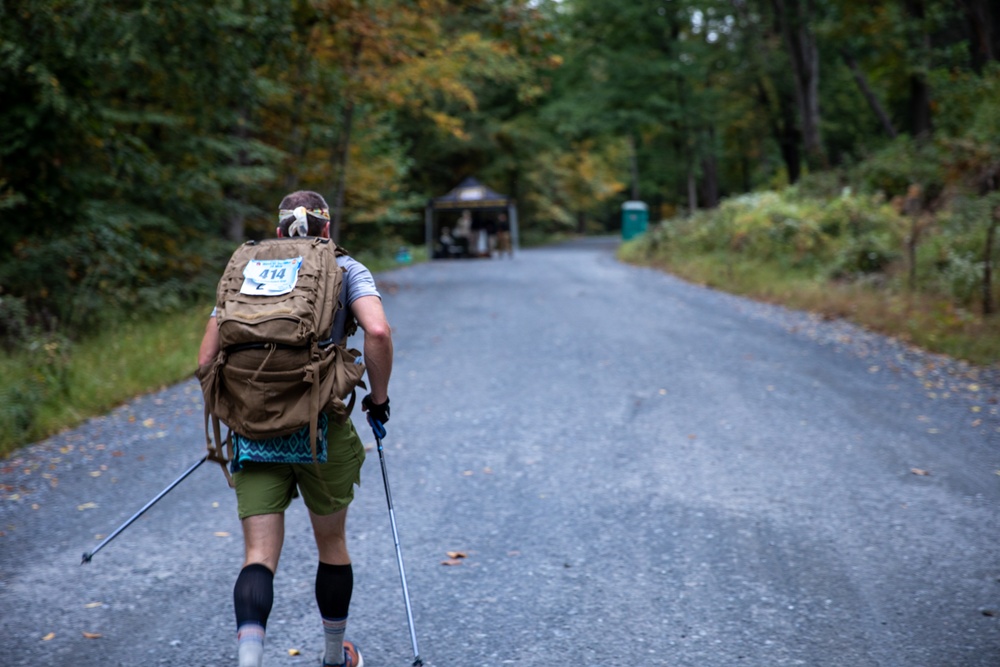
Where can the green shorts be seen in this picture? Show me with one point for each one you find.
(268, 488)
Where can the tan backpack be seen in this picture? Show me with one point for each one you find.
(277, 367)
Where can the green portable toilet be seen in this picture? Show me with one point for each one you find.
(635, 217)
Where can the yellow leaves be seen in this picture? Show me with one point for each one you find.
(221, 533)
(92, 635)
(294, 652)
(920, 472)
(448, 124)
(49, 637)
(86, 506)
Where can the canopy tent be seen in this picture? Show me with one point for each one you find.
(470, 195)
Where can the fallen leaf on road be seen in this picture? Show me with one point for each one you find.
(457, 554)
(92, 635)
(293, 651)
(86, 506)
(920, 471)
(222, 533)
(148, 422)
(49, 637)
(91, 605)
(452, 561)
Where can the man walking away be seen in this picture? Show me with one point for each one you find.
(264, 490)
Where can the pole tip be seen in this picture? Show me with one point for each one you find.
(417, 662)
(86, 558)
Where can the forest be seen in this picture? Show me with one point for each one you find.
(142, 140)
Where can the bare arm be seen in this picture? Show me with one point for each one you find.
(209, 343)
(378, 344)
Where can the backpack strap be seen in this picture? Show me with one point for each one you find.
(219, 450)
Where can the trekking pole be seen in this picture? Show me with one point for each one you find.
(90, 554)
(379, 431)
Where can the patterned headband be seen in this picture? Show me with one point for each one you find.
(300, 226)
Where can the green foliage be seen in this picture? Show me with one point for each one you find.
(843, 257)
(841, 238)
(905, 162)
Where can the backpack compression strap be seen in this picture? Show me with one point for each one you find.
(219, 450)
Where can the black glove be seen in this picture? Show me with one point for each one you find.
(377, 411)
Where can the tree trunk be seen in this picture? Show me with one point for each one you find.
(344, 144)
(982, 32)
(785, 132)
(710, 175)
(343, 149)
(862, 81)
(298, 139)
(692, 191)
(235, 223)
(987, 286)
(804, 57)
(920, 90)
(912, 206)
(634, 166)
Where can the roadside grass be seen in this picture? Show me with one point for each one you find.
(94, 375)
(929, 322)
(54, 385)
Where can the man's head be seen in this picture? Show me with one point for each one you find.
(303, 213)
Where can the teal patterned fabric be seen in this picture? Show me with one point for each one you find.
(293, 448)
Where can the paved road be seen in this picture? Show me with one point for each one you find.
(640, 472)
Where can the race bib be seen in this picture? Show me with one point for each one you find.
(270, 277)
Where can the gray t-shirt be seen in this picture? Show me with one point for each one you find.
(358, 282)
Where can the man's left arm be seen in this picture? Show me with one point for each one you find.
(371, 318)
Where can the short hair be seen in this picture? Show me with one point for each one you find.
(311, 201)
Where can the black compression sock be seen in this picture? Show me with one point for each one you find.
(334, 585)
(253, 595)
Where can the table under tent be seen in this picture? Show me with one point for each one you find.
(471, 221)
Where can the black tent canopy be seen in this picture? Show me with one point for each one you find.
(470, 195)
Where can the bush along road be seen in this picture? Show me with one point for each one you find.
(591, 463)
